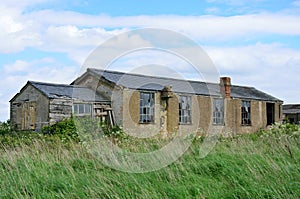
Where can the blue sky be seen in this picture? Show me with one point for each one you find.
(255, 42)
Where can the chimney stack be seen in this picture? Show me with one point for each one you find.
(225, 86)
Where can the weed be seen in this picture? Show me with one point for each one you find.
(246, 166)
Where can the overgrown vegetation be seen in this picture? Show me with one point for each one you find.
(4, 128)
(65, 130)
(261, 165)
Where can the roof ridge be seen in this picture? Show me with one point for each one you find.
(48, 83)
(57, 84)
(141, 75)
(166, 78)
(241, 86)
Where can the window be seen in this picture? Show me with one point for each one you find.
(184, 109)
(146, 107)
(218, 111)
(82, 109)
(246, 110)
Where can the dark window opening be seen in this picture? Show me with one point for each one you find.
(184, 109)
(218, 111)
(146, 107)
(246, 113)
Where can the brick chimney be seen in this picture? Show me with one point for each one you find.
(225, 86)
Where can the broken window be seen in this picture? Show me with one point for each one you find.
(184, 109)
(82, 109)
(218, 111)
(146, 107)
(246, 113)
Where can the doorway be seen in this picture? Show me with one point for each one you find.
(28, 116)
(270, 113)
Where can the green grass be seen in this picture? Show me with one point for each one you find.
(263, 165)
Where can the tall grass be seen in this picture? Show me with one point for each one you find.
(261, 165)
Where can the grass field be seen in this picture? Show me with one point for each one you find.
(261, 165)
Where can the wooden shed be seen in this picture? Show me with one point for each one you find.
(39, 104)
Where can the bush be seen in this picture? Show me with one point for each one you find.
(278, 130)
(65, 129)
(113, 131)
(83, 128)
(239, 168)
(4, 128)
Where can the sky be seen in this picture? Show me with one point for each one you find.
(255, 42)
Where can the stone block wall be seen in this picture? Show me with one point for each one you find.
(29, 109)
(59, 109)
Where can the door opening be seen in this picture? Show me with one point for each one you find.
(270, 113)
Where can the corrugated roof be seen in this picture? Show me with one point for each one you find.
(291, 108)
(143, 82)
(68, 91)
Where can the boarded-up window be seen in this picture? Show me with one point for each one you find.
(246, 113)
(146, 107)
(184, 109)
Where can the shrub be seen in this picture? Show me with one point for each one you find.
(4, 128)
(278, 130)
(84, 128)
(112, 131)
(65, 129)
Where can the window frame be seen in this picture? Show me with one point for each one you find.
(149, 116)
(84, 107)
(246, 113)
(218, 116)
(185, 115)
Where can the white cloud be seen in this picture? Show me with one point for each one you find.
(15, 75)
(296, 3)
(268, 67)
(271, 68)
(18, 66)
(16, 32)
(212, 10)
(20, 71)
(78, 43)
(78, 34)
(22, 4)
(65, 30)
(105, 53)
(71, 36)
(235, 2)
(146, 57)
(208, 27)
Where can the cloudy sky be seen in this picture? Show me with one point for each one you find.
(255, 42)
